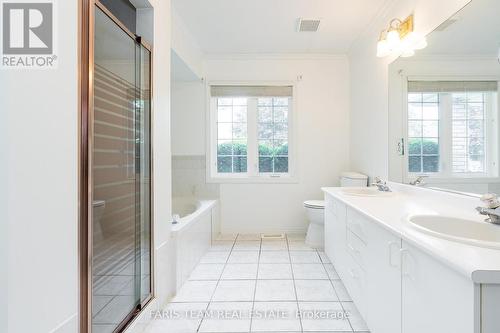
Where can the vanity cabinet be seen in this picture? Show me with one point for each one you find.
(373, 275)
(335, 231)
(397, 287)
(490, 303)
(383, 290)
(435, 299)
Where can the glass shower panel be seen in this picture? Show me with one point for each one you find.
(117, 168)
(143, 160)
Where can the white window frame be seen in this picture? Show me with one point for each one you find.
(445, 126)
(252, 175)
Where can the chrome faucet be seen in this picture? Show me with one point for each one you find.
(492, 209)
(175, 218)
(419, 181)
(381, 185)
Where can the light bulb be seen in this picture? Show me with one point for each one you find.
(408, 53)
(393, 40)
(382, 48)
(420, 44)
(406, 49)
(417, 41)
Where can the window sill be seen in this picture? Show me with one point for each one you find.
(253, 180)
(458, 180)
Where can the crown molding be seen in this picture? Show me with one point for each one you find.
(277, 56)
(450, 57)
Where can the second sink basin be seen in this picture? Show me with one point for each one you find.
(465, 231)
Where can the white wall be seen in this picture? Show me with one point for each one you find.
(369, 80)
(188, 118)
(185, 45)
(39, 110)
(188, 141)
(4, 214)
(4, 246)
(322, 138)
(162, 168)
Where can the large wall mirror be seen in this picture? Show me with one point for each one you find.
(444, 105)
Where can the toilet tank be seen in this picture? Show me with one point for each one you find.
(353, 179)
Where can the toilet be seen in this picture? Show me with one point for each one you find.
(315, 210)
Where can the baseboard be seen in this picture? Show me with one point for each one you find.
(287, 230)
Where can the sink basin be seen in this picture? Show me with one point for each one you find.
(481, 234)
(365, 192)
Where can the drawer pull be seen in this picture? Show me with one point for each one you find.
(391, 246)
(357, 229)
(407, 265)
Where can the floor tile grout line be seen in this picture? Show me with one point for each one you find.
(113, 296)
(255, 287)
(294, 287)
(217, 284)
(271, 301)
(107, 303)
(326, 272)
(341, 303)
(322, 261)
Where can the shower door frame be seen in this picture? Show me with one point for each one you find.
(86, 109)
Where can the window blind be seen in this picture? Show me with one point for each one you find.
(452, 86)
(251, 91)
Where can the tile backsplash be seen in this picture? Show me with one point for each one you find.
(189, 178)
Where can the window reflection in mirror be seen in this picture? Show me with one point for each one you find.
(444, 105)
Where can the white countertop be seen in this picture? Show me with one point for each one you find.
(482, 265)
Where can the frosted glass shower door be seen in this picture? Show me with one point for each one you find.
(121, 221)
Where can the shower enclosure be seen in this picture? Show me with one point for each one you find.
(119, 228)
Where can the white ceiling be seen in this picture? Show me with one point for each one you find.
(270, 26)
(477, 32)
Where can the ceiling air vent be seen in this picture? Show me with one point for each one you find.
(308, 25)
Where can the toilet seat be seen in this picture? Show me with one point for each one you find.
(314, 204)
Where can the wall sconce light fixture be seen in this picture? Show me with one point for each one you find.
(400, 39)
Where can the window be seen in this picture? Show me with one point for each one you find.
(232, 135)
(423, 132)
(272, 117)
(469, 132)
(452, 128)
(250, 132)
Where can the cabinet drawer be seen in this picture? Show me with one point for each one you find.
(330, 237)
(357, 224)
(331, 204)
(335, 206)
(356, 248)
(355, 281)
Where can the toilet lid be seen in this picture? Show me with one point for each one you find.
(317, 204)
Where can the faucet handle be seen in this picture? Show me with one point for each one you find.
(491, 200)
(419, 180)
(377, 180)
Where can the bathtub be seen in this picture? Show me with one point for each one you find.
(192, 236)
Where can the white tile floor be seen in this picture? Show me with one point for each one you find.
(244, 284)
